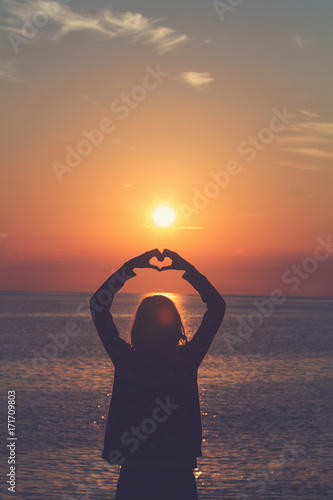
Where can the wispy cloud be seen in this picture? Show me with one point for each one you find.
(301, 166)
(308, 141)
(63, 20)
(8, 73)
(324, 129)
(315, 152)
(7, 77)
(90, 100)
(304, 139)
(196, 80)
(309, 113)
(301, 42)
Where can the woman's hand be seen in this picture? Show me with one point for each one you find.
(142, 261)
(178, 263)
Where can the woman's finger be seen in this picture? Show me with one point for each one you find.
(154, 253)
(153, 267)
(172, 255)
(168, 253)
(165, 268)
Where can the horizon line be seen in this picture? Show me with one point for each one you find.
(164, 291)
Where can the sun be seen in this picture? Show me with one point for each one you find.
(164, 216)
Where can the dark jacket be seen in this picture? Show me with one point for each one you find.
(154, 410)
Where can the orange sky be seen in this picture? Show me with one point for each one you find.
(243, 91)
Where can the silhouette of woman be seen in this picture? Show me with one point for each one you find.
(154, 428)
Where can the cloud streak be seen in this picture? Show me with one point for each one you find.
(315, 152)
(301, 42)
(301, 166)
(308, 141)
(63, 20)
(8, 73)
(196, 80)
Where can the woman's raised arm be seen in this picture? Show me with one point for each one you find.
(213, 317)
(102, 299)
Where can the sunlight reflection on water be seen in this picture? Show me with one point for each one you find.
(273, 390)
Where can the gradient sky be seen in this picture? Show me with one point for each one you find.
(226, 73)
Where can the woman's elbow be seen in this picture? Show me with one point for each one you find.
(94, 307)
(221, 307)
(217, 306)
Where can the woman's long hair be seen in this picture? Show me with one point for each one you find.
(157, 326)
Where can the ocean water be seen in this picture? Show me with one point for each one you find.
(265, 397)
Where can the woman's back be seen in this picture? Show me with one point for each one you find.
(154, 415)
(154, 410)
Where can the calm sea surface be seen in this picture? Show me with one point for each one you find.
(265, 398)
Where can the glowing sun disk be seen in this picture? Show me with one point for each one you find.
(164, 216)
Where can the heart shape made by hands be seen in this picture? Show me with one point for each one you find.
(166, 261)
